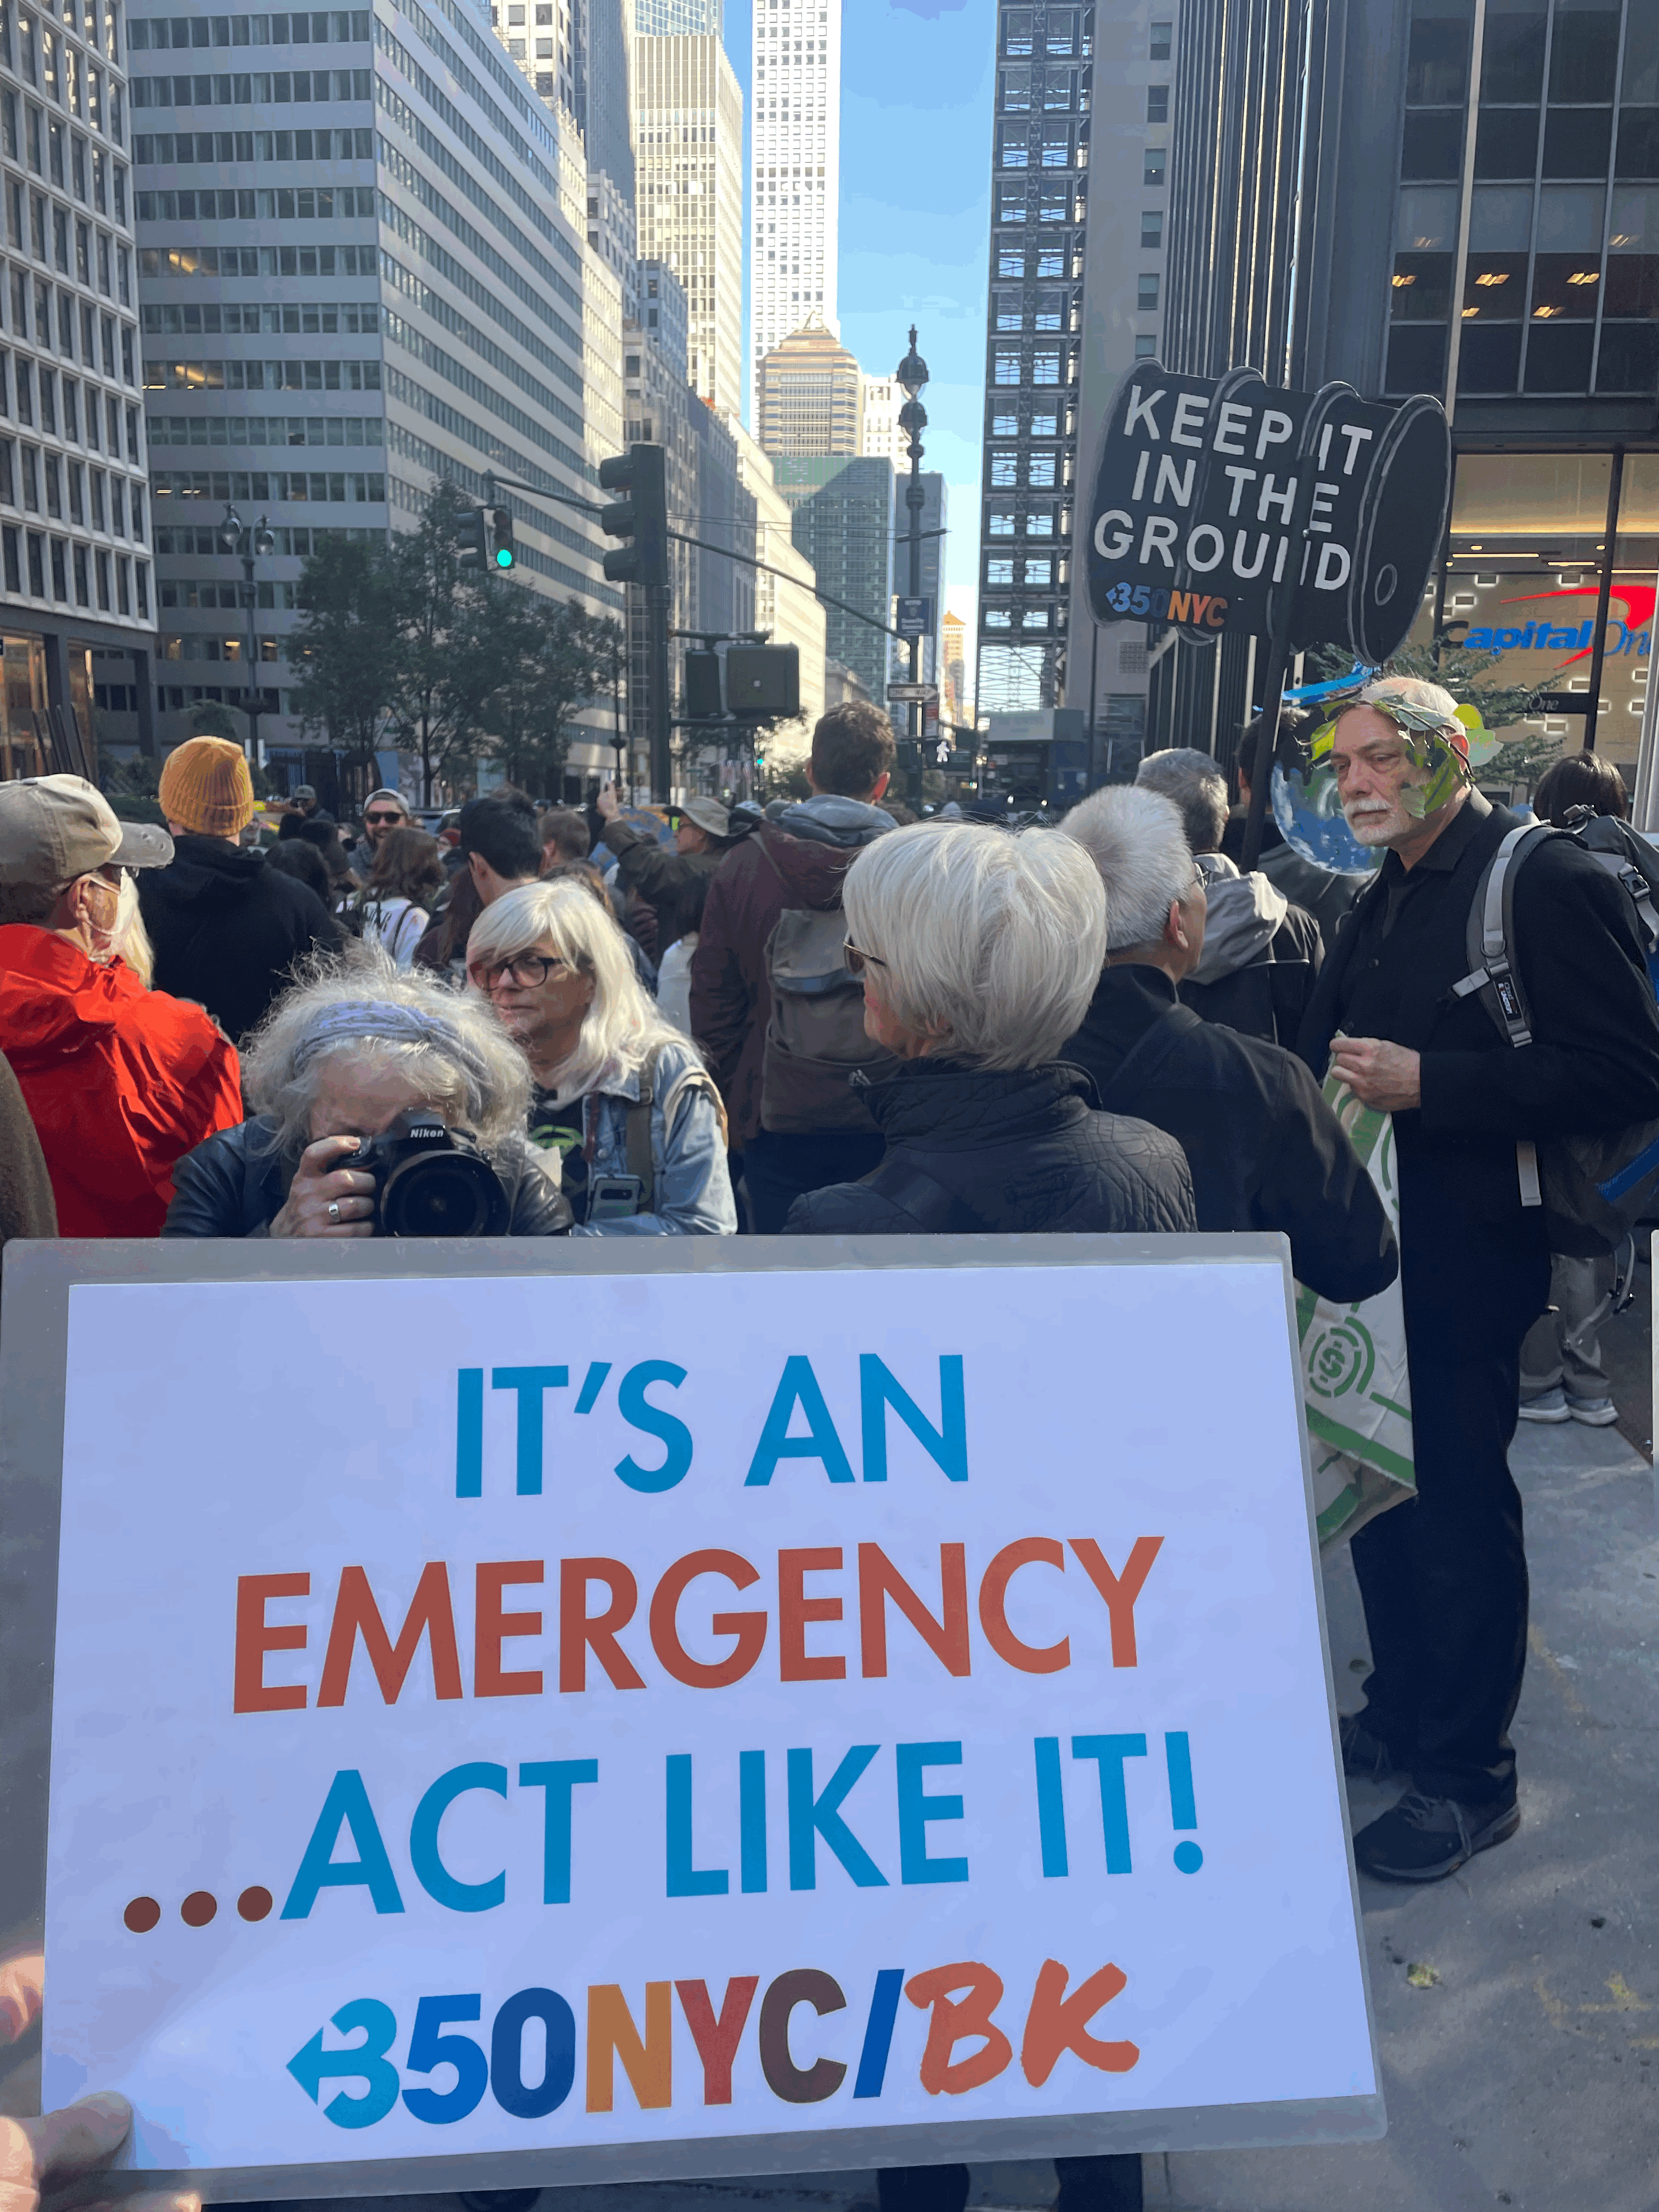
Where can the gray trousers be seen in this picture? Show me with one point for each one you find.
(1563, 1346)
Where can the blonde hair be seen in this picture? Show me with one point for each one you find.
(130, 941)
(994, 938)
(621, 1027)
(446, 1046)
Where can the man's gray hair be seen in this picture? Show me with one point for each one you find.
(1429, 699)
(991, 939)
(1198, 788)
(1136, 838)
(454, 1053)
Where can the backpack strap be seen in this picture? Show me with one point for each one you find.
(1490, 935)
(1142, 1062)
(932, 1205)
(637, 1138)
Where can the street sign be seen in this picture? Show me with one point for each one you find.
(1219, 504)
(911, 694)
(616, 1672)
(952, 759)
(915, 618)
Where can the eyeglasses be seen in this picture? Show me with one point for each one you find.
(528, 970)
(856, 960)
(1201, 879)
(372, 821)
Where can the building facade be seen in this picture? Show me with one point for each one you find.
(880, 437)
(688, 118)
(356, 231)
(1039, 185)
(809, 396)
(76, 573)
(795, 146)
(841, 521)
(785, 606)
(1107, 675)
(1516, 152)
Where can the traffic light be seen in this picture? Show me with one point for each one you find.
(502, 556)
(642, 516)
(469, 531)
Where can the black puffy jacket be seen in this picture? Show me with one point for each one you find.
(1020, 1151)
(234, 1186)
(227, 929)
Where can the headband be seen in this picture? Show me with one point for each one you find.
(1441, 747)
(378, 1021)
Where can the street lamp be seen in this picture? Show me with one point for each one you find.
(912, 376)
(258, 544)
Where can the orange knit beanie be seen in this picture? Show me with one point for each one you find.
(205, 786)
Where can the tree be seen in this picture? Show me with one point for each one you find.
(552, 659)
(345, 643)
(213, 719)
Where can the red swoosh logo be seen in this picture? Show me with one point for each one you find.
(1637, 600)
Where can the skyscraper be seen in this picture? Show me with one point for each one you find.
(795, 142)
(402, 279)
(688, 121)
(75, 571)
(1121, 314)
(1039, 176)
(842, 522)
(881, 438)
(1515, 152)
(810, 396)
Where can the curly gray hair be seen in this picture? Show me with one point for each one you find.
(451, 1049)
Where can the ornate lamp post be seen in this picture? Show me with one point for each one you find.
(912, 376)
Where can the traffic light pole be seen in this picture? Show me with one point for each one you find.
(657, 598)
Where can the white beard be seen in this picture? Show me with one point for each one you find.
(1379, 825)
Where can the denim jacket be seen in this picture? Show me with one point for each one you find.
(692, 1191)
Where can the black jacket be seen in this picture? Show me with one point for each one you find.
(225, 929)
(1474, 1264)
(675, 883)
(1023, 1151)
(233, 1186)
(1265, 1150)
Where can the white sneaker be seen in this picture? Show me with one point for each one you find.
(1593, 1413)
(1548, 1405)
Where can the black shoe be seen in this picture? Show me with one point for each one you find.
(1366, 1757)
(1426, 1838)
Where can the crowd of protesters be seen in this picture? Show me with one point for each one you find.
(828, 1022)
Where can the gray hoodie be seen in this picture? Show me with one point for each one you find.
(1242, 915)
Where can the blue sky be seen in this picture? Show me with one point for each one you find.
(915, 171)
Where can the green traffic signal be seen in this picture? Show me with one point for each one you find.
(503, 556)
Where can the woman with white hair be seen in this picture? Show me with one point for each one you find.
(978, 951)
(619, 1093)
(354, 1052)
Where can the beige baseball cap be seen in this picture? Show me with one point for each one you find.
(55, 828)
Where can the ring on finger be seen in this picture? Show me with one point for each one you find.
(333, 1209)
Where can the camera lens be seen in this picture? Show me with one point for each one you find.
(443, 1194)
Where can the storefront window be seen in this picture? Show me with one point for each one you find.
(23, 707)
(1529, 543)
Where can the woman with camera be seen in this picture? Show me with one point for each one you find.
(619, 1093)
(384, 1104)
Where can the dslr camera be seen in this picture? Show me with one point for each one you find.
(432, 1181)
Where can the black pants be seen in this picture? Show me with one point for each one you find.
(1444, 1582)
(1086, 2185)
(778, 1169)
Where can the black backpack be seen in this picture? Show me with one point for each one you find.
(1593, 1189)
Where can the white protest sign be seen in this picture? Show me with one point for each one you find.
(637, 1709)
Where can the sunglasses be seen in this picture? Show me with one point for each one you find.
(856, 961)
(373, 820)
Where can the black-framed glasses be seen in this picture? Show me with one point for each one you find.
(856, 960)
(373, 821)
(528, 970)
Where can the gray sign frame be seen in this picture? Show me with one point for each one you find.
(33, 1341)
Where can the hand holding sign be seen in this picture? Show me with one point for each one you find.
(50, 2161)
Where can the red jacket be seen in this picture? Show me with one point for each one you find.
(121, 1082)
